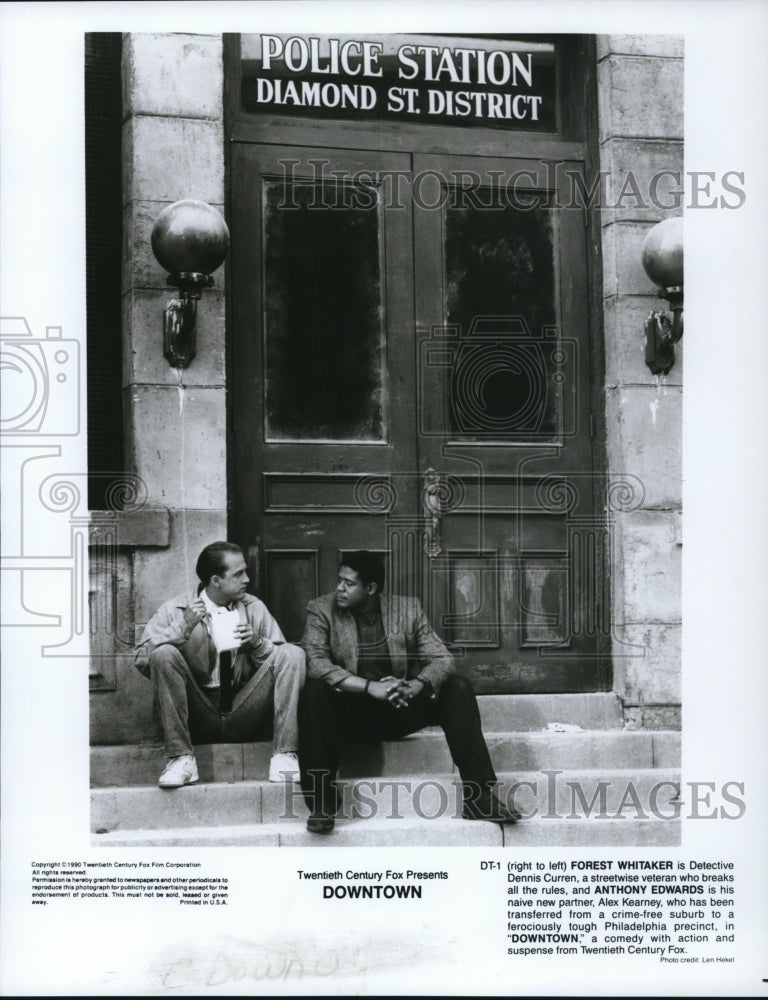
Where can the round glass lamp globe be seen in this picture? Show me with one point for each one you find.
(190, 236)
(662, 253)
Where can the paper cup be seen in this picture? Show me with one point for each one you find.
(223, 627)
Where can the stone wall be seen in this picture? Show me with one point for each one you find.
(640, 93)
(174, 421)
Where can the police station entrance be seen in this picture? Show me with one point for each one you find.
(410, 352)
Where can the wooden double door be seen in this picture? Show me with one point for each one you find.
(409, 373)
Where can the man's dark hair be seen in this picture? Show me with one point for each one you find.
(210, 562)
(368, 566)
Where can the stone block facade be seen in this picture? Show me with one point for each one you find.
(640, 94)
(174, 420)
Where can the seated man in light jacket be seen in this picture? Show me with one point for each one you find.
(219, 664)
(376, 669)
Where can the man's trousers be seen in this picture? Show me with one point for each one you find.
(330, 720)
(187, 713)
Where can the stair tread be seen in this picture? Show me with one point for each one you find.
(423, 751)
(595, 793)
(428, 733)
(431, 732)
(413, 831)
(503, 775)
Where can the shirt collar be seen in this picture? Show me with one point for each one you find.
(369, 617)
(210, 606)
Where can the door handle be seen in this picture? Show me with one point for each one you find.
(432, 491)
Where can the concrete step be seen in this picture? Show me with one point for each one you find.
(423, 752)
(515, 713)
(410, 833)
(600, 794)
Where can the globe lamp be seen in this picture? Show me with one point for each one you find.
(662, 257)
(190, 240)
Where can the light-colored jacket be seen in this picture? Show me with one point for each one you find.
(167, 626)
(330, 641)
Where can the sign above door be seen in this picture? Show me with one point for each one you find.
(500, 83)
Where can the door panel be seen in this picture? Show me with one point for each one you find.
(411, 376)
(324, 374)
(502, 321)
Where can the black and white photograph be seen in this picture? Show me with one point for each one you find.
(382, 565)
(426, 344)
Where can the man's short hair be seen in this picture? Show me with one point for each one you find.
(210, 562)
(368, 566)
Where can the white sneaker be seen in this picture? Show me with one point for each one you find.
(284, 767)
(179, 771)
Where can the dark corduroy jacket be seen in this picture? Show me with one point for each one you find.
(330, 641)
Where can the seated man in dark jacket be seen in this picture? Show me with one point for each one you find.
(376, 669)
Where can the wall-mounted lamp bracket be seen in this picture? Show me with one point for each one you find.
(189, 240)
(180, 317)
(663, 332)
